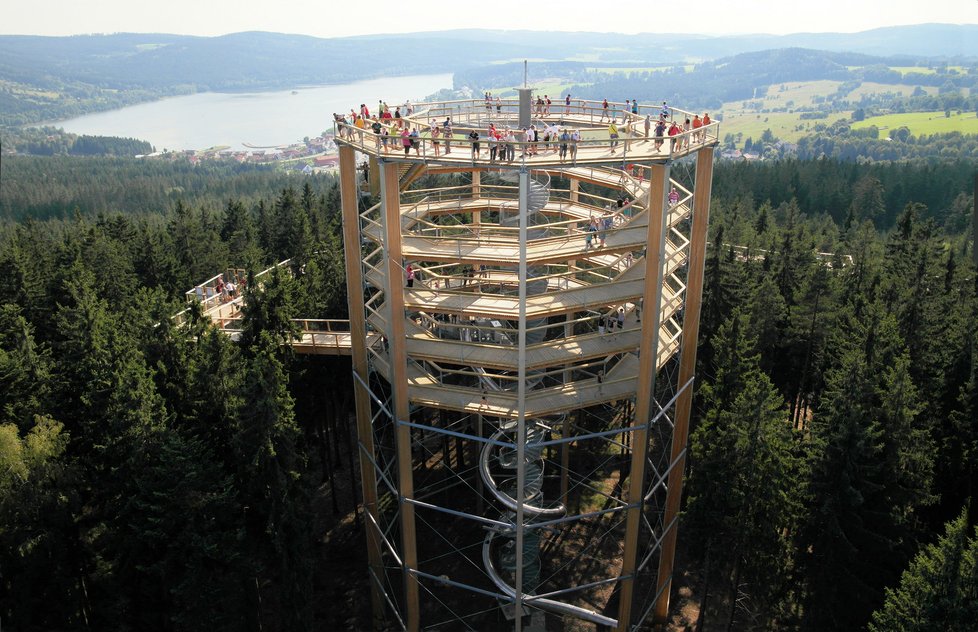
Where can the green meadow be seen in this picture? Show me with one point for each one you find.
(923, 123)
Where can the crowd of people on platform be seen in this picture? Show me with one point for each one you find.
(393, 132)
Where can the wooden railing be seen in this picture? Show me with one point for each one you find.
(468, 115)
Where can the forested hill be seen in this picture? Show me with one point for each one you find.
(42, 78)
(711, 83)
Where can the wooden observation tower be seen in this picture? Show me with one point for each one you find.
(523, 376)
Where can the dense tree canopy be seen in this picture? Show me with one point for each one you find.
(155, 476)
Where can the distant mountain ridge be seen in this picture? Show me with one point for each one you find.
(268, 60)
(46, 78)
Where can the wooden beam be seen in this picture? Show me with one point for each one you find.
(648, 351)
(394, 299)
(349, 197)
(687, 368)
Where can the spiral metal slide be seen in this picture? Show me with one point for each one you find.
(499, 465)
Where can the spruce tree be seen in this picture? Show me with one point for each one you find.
(939, 590)
(744, 486)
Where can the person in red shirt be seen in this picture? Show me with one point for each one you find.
(673, 136)
(697, 124)
(706, 121)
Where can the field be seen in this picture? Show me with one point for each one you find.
(785, 126)
(924, 123)
(923, 70)
(742, 117)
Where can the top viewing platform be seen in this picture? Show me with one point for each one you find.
(495, 132)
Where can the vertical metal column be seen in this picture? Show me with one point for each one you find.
(349, 197)
(565, 426)
(394, 297)
(521, 401)
(687, 368)
(648, 353)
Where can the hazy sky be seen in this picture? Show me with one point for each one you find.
(336, 18)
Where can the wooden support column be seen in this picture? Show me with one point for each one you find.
(374, 182)
(648, 351)
(575, 188)
(687, 368)
(349, 196)
(394, 297)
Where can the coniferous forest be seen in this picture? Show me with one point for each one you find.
(163, 477)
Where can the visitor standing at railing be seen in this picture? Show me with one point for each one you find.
(360, 125)
(648, 124)
(415, 136)
(492, 139)
(575, 141)
(406, 140)
(435, 135)
(510, 145)
(410, 275)
(673, 136)
(706, 121)
(567, 103)
(634, 106)
(474, 137)
(697, 124)
(660, 132)
(613, 135)
(377, 128)
(592, 228)
(686, 128)
(446, 130)
(340, 122)
(604, 110)
(547, 105)
(554, 133)
(606, 223)
(499, 106)
(564, 140)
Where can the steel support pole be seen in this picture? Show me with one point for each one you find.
(394, 297)
(565, 429)
(521, 402)
(349, 197)
(687, 368)
(648, 351)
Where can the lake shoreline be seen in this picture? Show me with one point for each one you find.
(247, 121)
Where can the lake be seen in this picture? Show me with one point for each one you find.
(261, 119)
